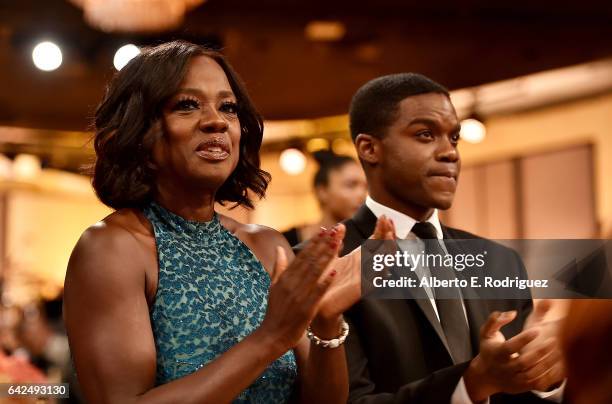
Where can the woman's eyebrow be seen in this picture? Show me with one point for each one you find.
(200, 93)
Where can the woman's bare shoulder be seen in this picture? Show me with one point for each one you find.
(123, 234)
(261, 240)
(250, 230)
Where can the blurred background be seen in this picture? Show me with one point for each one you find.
(533, 80)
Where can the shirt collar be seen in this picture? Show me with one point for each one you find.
(403, 223)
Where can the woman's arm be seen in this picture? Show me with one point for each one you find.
(322, 372)
(107, 318)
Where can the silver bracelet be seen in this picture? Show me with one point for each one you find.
(329, 343)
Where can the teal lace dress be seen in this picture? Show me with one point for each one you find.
(212, 293)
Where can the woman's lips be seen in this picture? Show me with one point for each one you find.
(213, 150)
(213, 153)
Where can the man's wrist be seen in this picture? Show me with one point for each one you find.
(476, 382)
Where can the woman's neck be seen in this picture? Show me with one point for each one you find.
(196, 205)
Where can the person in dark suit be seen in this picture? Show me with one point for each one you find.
(406, 133)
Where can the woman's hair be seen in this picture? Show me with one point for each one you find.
(328, 162)
(127, 124)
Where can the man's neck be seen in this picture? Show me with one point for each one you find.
(418, 213)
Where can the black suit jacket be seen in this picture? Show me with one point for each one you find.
(396, 350)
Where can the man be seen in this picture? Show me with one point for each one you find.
(406, 133)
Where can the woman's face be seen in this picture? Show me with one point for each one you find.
(345, 191)
(200, 146)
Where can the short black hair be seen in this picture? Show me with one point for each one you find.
(328, 161)
(374, 106)
(127, 124)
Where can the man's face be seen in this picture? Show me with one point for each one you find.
(418, 161)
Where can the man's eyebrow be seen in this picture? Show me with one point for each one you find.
(425, 121)
(431, 122)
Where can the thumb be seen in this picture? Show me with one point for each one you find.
(539, 312)
(542, 308)
(280, 265)
(380, 229)
(495, 322)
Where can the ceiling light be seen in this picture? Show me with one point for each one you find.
(326, 31)
(124, 55)
(472, 130)
(47, 56)
(292, 161)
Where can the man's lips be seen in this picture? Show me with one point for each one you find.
(448, 173)
(447, 177)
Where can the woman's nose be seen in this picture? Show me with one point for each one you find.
(212, 121)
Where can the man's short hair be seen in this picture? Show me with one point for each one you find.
(374, 106)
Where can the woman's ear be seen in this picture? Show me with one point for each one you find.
(321, 194)
(368, 148)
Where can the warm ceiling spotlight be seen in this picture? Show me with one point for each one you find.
(136, 15)
(26, 166)
(316, 144)
(292, 161)
(47, 56)
(124, 55)
(325, 31)
(472, 130)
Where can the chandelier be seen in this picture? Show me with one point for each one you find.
(135, 15)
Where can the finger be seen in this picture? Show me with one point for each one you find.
(495, 322)
(390, 230)
(539, 311)
(322, 257)
(339, 233)
(310, 251)
(526, 361)
(544, 365)
(514, 344)
(554, 375)
(322, 286)
(280, 265)
(298, 275)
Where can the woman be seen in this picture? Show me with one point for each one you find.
(167, 301)
(340, 187)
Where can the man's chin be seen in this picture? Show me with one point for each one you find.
(442, 202)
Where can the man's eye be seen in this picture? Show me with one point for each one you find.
(229, 107)
(186, 105)
(425, 135)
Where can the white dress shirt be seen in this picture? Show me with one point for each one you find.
(403, 226)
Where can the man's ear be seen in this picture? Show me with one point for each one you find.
(368, 148)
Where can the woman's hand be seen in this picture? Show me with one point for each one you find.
(297, 289)
(345, 289)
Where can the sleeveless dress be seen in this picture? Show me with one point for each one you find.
(212, 293)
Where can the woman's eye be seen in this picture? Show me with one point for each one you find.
(229, 107)
(186, 105)
(456, 137)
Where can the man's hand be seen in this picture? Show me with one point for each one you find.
(499, 367)
(550, 368)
